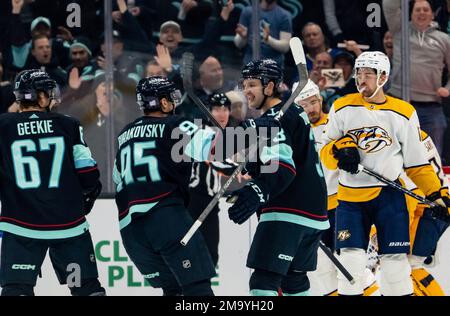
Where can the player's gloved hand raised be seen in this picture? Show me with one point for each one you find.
(246, 201)
(345, 150)
(442, 211)
(89, 198)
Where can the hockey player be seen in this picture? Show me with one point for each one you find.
(206, 180)
(324, 278)
(291, 202)
(382, 133)
(425, 230)
(48, 184)
(152, 196)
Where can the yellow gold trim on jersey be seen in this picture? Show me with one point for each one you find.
(327, 157)
(391, 104)
(425, 178)
(332, 201)
(423, 135)
(350, 194)
(322, 121)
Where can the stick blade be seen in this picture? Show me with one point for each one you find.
(297, 50)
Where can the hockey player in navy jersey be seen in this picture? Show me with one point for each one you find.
(383, 134)
(152, 195)
(48, 183)
(292, 202)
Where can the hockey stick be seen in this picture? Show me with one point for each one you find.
(336, 262)
(396, 186)
(300, 61)
(188, 64)
(400, 188)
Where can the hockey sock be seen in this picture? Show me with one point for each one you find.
(200, 288)
(265, 283)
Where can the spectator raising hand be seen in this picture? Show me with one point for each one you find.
(226, 10)
(74, 78)
(16, 6)
(163, 58)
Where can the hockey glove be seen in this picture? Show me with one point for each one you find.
(442, 211)
(253, 169)
(247, 201)
(345, 151)
(89, 198)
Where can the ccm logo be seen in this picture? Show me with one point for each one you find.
(285, 257)
(23, 267)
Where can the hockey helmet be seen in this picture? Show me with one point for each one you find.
(376, 60)
(219, 99)
(150, 91)
(30, 82)
(265, 70)
(308, 91)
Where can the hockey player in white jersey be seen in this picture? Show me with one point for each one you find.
(324, 278)
(425, 230)
(382, 133)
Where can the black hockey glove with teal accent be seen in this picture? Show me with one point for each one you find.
(246, 201)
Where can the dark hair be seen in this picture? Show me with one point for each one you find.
(37, 37)
(413, 2)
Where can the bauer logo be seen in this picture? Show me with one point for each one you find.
(399, 244)
(343, 235)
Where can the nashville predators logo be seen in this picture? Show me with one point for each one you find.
(343, 235)
(371, 139)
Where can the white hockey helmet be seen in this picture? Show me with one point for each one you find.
(376, 60)
(309, 90)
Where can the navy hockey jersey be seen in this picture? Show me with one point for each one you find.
(303, 200)
(148, 168)
(45, 166)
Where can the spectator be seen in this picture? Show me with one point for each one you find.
(193, 15)
(429, 49)
(41, 58)
(322, 61)
(20, 39)
(238, 109)
(6, 91)
(210, 81)
(154, 69)
(345, 61)
(134, 37)
(276, 31)
(315, 43)
(81, 73)
(388, 45)
(346, 20)
(128, 70)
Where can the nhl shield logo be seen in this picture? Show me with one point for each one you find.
(343, 235)
(186, 264)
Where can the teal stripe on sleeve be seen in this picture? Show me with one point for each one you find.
(82, 157)
(295, 219)
(281, 152)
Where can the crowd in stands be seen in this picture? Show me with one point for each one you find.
(150, 37)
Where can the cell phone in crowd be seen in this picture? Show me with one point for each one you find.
(334, 77)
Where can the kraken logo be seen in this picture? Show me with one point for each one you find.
(371, 139)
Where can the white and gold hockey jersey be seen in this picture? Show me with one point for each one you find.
(389, 141)
(433, 157)
(331, 176)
